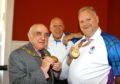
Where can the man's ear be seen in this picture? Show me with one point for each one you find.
(50, 29)
(29, 36)
(97, 19)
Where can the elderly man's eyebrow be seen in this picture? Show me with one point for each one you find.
(40, 33)
(47, 34)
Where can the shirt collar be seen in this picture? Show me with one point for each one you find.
(95, 35)
(52, 38)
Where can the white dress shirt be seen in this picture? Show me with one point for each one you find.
(58, 49)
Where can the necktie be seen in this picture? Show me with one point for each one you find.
(42, 53)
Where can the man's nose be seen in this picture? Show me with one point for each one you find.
(43, 37)
(84, 23)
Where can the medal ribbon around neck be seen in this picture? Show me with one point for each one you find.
(75, 52)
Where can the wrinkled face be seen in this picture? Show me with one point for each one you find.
(57, 28)
(38, 36)
(88, 22)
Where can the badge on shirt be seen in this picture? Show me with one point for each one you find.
(91, 49)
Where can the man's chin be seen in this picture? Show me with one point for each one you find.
(42, 47)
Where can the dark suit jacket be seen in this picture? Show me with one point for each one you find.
(24, 67)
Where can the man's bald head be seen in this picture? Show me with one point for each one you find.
(38, 36)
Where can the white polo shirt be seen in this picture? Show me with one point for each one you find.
(58, 49)
(91, 67)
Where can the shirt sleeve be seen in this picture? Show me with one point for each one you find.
(65, 70)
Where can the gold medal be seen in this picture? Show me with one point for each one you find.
(75, 52)
(55, 59)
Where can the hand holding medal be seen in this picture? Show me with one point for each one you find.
(74, 53)
(75, 50)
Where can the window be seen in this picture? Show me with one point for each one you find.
(2, 35)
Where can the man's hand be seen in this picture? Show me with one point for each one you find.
(46, 62)
(71, 54)
(57, 66)
(67, 38)
(45, 66)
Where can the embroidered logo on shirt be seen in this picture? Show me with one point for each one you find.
(91, 49)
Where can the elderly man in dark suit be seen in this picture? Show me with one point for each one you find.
(31, 63)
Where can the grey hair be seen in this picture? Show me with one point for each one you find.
(89, 8)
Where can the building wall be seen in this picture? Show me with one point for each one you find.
(29, 12)
(114, 17)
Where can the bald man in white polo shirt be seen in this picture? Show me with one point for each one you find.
(56, 46)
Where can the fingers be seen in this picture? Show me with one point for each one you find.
(46, 62)
(57, 66)
(65, 40)
(49, 60)
(70, 57)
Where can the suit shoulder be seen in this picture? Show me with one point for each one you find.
(109, 37)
